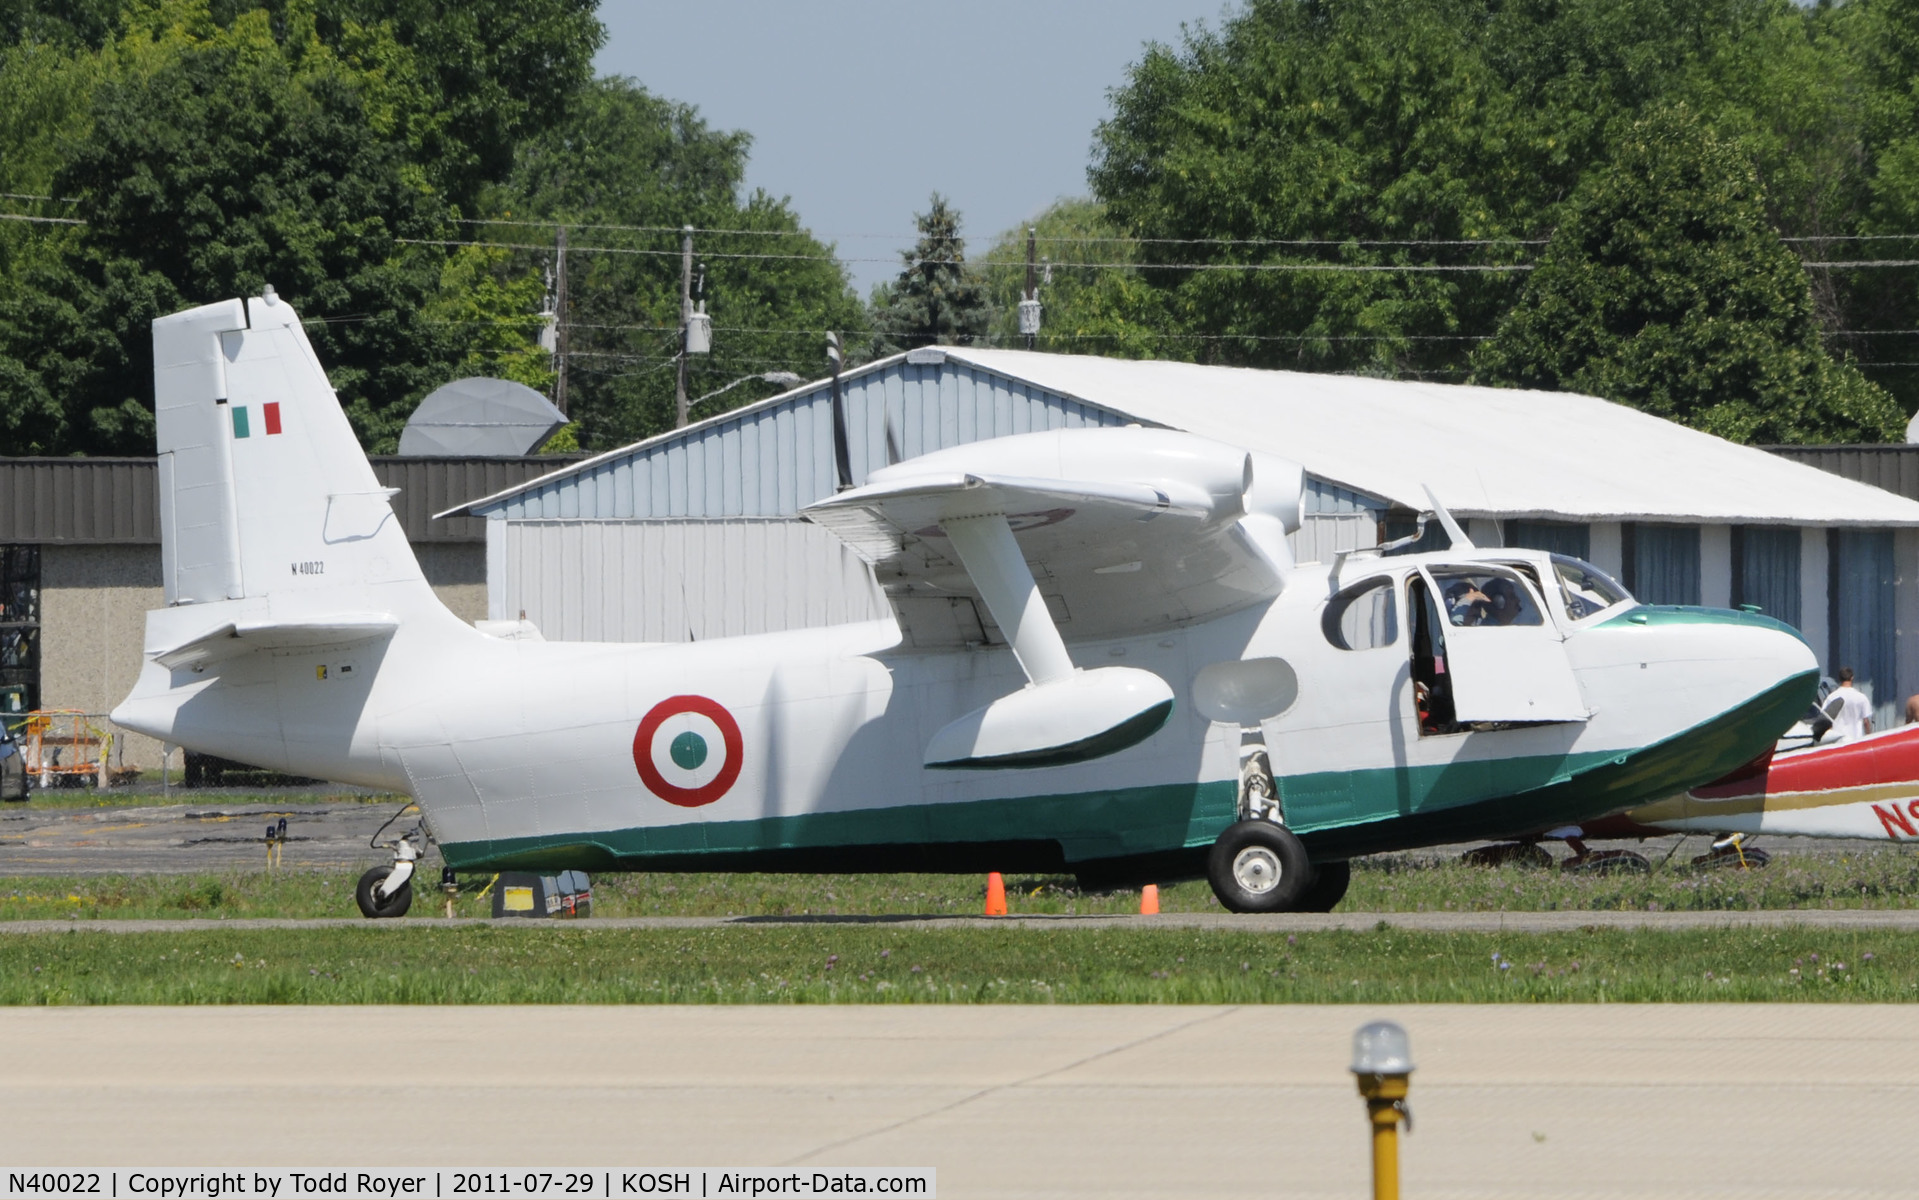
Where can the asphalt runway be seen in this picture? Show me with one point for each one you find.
(207, 831)
(1030, 1101)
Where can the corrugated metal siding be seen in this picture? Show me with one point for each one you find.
(1320, 539)
(771, 462)
(432, 485)
(1331, 500)
(1894, 468)
(673, 581)
(115, 500)
(1332, 519)
(78, 500)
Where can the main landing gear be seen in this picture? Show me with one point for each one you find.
(1260, 866)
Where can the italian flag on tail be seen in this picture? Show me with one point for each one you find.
(269, 413)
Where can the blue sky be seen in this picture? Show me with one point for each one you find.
(859, 109)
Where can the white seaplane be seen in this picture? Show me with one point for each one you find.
(1164, 692)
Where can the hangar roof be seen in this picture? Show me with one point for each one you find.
(1490, 452)
(1495, 452)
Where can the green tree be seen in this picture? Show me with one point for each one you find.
(936, 300)
(490, 316)
(218, 159)
(1276, 164)
(624, 157)
(1297, 161)
(1092, 300)
(215, 146)
(1667, 288)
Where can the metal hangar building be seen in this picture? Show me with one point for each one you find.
(695, 534)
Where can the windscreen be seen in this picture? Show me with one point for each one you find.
(1586, 588)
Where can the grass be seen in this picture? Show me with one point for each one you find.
(1881, 877)
(993, 964)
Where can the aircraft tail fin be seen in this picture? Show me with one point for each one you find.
(264, 489)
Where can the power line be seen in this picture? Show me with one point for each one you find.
(1368, 268)
(982, 263)
(1048, 240)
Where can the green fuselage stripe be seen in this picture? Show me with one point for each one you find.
(1337, 814)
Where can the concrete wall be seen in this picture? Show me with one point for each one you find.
(93, 612)
(93, 615)
(457, 571)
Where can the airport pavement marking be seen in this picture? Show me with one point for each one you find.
(1562, 921)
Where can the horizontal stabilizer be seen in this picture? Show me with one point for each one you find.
(235, 638)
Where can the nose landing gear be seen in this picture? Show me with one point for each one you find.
(388, 891)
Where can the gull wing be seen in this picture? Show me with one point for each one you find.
(1111, 558)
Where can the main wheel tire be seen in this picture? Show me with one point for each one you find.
(372, 904)
(1259, 867)
(1330, 881)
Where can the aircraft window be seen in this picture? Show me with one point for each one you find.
(1485, 598)
(1586, 588)
(1362, 617)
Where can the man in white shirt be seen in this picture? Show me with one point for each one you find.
(1849, 709)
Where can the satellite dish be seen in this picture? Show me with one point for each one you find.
(480, 418)
(1912, 429)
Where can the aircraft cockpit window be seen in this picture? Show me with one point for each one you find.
(1485, 598)
(1362, 617)
(1586, 588)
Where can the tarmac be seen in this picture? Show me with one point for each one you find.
(207, 831)
(1747, 1100)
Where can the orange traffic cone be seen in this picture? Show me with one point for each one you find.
(995, 895)
(1149, 900)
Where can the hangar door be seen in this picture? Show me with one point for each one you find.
(1864, 623)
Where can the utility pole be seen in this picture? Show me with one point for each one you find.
(686, 318)
(1029, 305)
(559, 323)
(842, 459)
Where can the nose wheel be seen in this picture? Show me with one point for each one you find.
(388, 891)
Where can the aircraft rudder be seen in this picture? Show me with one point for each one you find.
(264, 487)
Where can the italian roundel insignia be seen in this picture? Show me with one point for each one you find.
(688, 751)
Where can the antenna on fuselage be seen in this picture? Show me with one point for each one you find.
(1453, 531)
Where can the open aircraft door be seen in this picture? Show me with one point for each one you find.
(1504, 658)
